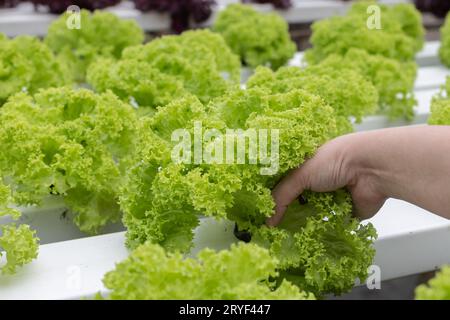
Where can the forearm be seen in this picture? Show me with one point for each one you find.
(408, 163)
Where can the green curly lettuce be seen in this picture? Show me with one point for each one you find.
(5, 198)
(101, 34)
(151, 273)
(393, 80)
(135, 82)
(321, 248)
(440, 106)
(444, 49)
(17, 243)
(348, 92)
(437, 288)
(200, 60)
(383, 56)
(26, 64)
(20, 246)
(67, 143)
(400, 37)
(405, 14)
(440, 112)
(217, 187)
(226, 61)
(258, 38)
(162, 199)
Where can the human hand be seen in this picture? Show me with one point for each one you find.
(334, 166)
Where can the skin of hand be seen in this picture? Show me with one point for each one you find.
(407, 163)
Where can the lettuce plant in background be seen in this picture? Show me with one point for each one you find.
(394, 80)
(384, 57)
(346, 90)
(67, 143)
(400, 37)
(321, 248)
(258, 38)
(102, 35)
(18, 243)
(93, 151)
(152, 273)
(444, 49)
(437, 288)
(181, 11)
(26, 64)
(197, 62)
(135, 82)
(148, 198)
(440, 106)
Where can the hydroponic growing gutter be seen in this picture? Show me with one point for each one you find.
(24, 20)
(431, 75)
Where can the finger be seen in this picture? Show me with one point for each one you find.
(285, 193)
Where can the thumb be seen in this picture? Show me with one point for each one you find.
(286, 192)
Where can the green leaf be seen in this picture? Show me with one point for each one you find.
(151, 273)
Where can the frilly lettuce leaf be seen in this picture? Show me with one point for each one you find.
(101, 34)
(5, 198)
(226, 61)
(135, 82)
(393, 80)
(401, 16)
(199, 59)
(26, 64)
(437, 288)
(444, 49)
(258, 38)
(214, 189)
(384, 57)
(151, 273)
(348, 92)
(304, 122)
(67, 143)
